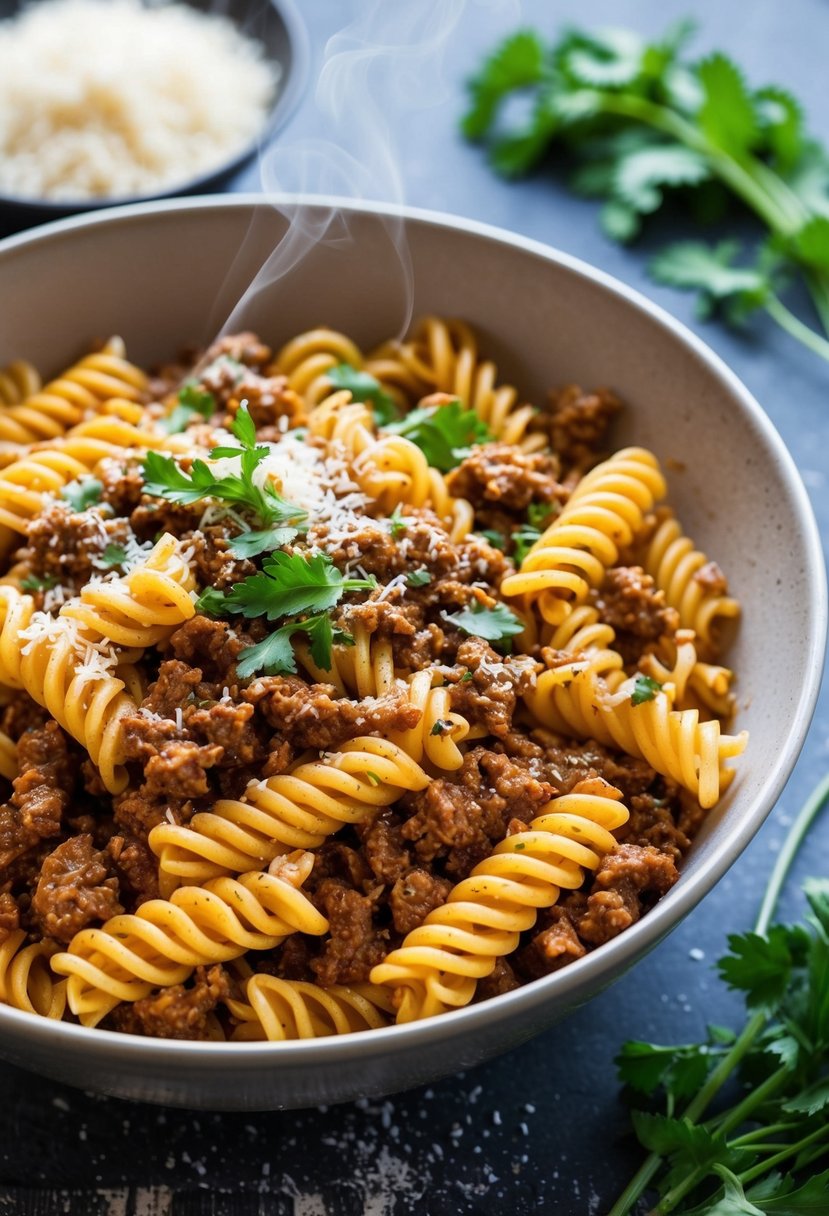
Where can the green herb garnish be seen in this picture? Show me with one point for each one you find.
(496, 539)
(492, 624)
(539, 514)
(114, 555)
(364, 387)
(286, 586)
(396, 522)
(83, 493)
(441, 726)
(373, 778)
(754, 1157)
(191, 402)
(523, 540)
(275, 655)
(644, 689)
(644, 122)
(444, 433)
(252, 544)
(34, 582)
(418, 578)
(164, 479)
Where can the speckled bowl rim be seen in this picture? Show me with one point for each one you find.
(583, 978)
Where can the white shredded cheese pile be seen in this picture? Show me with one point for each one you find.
(109, 98)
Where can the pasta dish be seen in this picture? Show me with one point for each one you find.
(337, 689)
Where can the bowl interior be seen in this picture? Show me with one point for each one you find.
(276, 25)
(173, 273)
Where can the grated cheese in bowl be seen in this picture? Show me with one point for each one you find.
(118, 98)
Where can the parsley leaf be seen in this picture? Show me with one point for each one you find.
(33, 582)
(287, 585)
(709, 269)
(274, 655)
(396, 522)
(492, 624)
(759, 966)
(643, 123)
(441, 726)
(114, 555)
(539, 514)
(644, 689)
(82, 493)
(444, 433)
(364, 387)
(164, 479)
(251, 544)
(523, 540)
(191, 402)
(496, 539)
(418, 578)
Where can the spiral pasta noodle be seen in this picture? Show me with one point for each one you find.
(674, 564)
(25, 979)
(443, 356)
(18, 380)
(278, 1010)
(305, 360)
(294, 810)
(439, 963)
(604, 513)
(49, 412)
(161, 943)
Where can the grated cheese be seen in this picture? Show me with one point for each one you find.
(101, 98)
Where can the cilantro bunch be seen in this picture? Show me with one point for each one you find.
(754, 1156)
(643, 122)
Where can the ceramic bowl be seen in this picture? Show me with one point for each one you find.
(169, 273)
(276, 24)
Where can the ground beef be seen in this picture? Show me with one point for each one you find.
(9, 915)
(311, 715)
(354, 944)
(501, 473)
(578, 423)
(712, 580)
(501, 979)
(75, 889)
(415, 894)
(490, 697)
(22, 714)
(245, 348)
(179, 1012)
(458, 819)
(386, 854)
(213, 561)
(42, 792)
(631, 604)
(136, 868)
(64, 545)
(212, 646)
(629, 880)
(123, 484)
(555, 943)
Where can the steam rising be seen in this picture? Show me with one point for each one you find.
(387, 65)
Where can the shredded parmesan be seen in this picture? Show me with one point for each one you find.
(101, 98)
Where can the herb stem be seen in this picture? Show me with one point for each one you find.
(796, 328)
(762, 1167)
(794, 839)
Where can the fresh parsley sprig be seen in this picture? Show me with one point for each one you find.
(287, 586)
(191, 402)
(644, 122)
(752, 1158)
(444, 433)
(366, 388)
(164, 479)
(497, 624)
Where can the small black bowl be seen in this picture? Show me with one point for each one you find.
(274, 23)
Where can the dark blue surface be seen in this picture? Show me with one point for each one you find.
(542, 1129)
